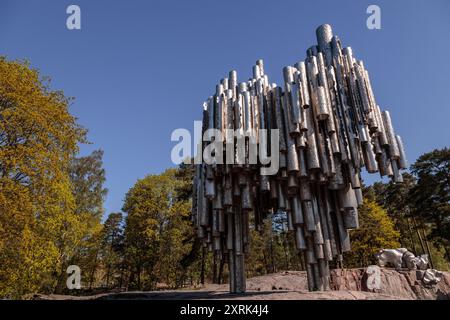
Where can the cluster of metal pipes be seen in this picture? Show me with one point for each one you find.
(330, 127)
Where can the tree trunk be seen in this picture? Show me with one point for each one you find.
(286, 254)
(215, 268)
(423, 239)
(411, 236)
(222, 262)
(121, 277)
(202, 270)
(419, 235)
(428, 247)
(108, 270)
(60, 281)
(139, 278)
(266, 263)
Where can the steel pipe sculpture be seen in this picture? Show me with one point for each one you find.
(330, 127)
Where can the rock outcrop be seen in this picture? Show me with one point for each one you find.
(403, 284)
(347, 284)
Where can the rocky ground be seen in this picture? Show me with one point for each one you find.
(292, 285)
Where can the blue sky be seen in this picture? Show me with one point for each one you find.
(140, 69)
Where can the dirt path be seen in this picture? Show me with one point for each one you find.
(292, 285)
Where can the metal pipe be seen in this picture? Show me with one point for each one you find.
(330, 127)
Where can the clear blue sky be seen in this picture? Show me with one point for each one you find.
(140, 69)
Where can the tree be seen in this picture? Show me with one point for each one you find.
(38, 139)
(87, 177)
(157, 230)
(272, 247)
(112, 250)
(185, 175)
(394, 197)
(430, 197)
(376, 232)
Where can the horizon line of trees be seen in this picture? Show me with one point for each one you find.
(51, 210)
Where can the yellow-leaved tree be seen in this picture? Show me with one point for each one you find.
(376, 231)
(39, 227)
(158, 230)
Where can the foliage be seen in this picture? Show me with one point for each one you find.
(419, 206)
(376, 231)
(272, 248)
(430, 197)
(394, 198)
(157, 227)
(112, 250)
(39, 228)
(87, 178)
